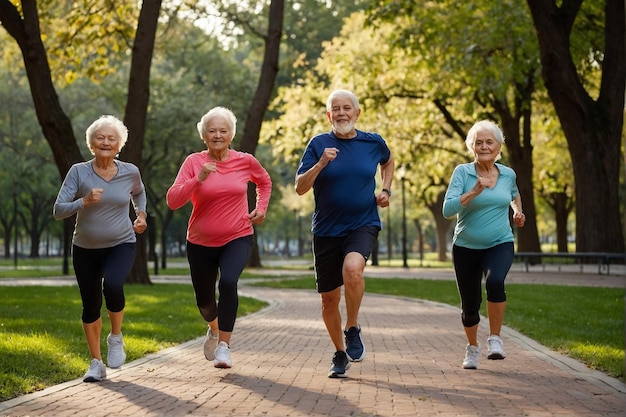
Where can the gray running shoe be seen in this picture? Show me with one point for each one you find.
(209, 345)
(472, 353)
(96, 372)
(115, 355)
(222, 356)
(495, 348)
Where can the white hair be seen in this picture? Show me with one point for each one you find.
(487, 125)
(106, 121)
(341, 93)
(218, 112)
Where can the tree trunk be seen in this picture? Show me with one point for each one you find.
(593, 128)
(520, 153)
(137, 109)
(262, 96)
(165, 222)
(420, 240)
(442, 224)
(562, 208)
(56, 126)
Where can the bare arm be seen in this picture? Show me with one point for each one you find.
(518, 215)
(305, 181)
(386, 174)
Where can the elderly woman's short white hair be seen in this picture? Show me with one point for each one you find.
(479, 126)
(341, 93)
(218, 112)
(106, 121)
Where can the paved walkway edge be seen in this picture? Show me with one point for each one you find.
(560, 361)
(111, 372)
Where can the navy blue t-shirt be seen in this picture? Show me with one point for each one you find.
(344, 189)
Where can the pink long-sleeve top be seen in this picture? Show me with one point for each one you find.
(220, 204)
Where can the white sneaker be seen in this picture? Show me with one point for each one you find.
(495, 349)
(222, 356)
(96, 372)
(115, 355)
(209, 345)
(472, 353)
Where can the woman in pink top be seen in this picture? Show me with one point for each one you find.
(219, 234)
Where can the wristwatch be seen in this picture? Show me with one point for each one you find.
(385, 190)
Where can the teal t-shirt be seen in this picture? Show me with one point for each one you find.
(484, 222)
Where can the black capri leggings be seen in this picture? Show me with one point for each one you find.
(470, 265)
(205, 263)
(102, 272)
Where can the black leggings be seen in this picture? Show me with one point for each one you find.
(470, 265)
(102, 272)
(205, 263)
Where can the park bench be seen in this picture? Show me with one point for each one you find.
(602, 259)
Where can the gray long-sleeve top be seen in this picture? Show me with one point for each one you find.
(106, 223)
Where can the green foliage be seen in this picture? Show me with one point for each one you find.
(87, 38)
(42, 341)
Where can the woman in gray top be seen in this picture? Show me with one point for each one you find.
(99, 192)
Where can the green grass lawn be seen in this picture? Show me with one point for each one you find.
(42, 341)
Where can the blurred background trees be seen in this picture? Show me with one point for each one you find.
(424, 72)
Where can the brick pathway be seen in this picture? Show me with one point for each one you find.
(281, 356)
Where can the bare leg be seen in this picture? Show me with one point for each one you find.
(354, 286)
(92, 333)
(495, 311)
(332, 317)
(214, 326)
(225, 337)
(472, 335)
(116, 321)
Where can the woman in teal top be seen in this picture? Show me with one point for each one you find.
(479, 195)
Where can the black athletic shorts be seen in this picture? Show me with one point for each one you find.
(329, 253)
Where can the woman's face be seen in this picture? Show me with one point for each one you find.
(106, 143)
(218, 135)
(486, 147)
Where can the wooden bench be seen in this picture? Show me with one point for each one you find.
(603, 259)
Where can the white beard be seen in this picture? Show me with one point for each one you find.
(344, 129)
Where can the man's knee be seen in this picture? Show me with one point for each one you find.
(331, 299)
(353, 266)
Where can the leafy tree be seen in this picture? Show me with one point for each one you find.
(270, 31)
(385, 102)
(191, 74)
(23, 24)
(490, 64)
(553, 179)
(575, 38)
(28, 178)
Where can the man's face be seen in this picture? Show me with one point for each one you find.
(343, 116)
